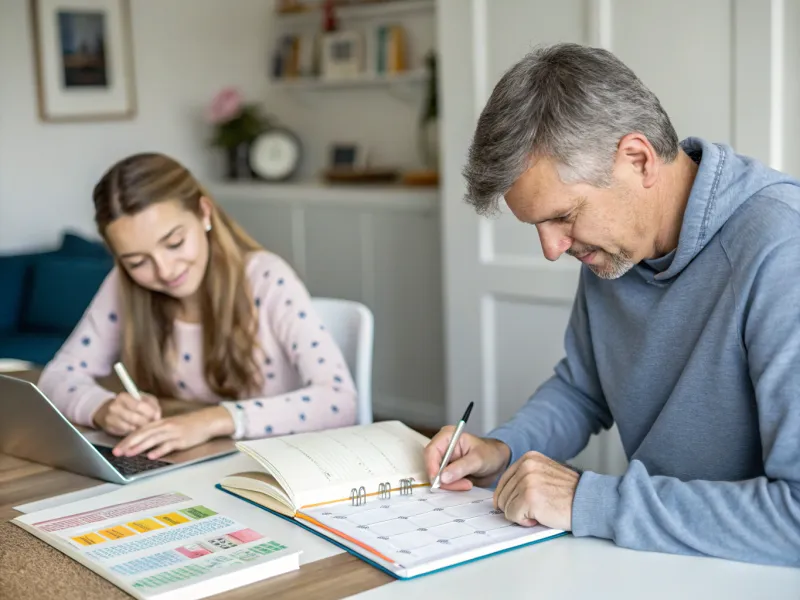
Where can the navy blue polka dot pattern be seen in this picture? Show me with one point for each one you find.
(302, 416)
(337, 379)
(270, 375)
(308, 383)
(288, 399)
(306, 398)
(322, 327)
(280, 281)
(334, 408)
(320, 360)
(83, 364)
(72, 389)
(187, 357)
(314, 344)
(301, 314)
(289, 302)
(86, 341)
(291, 432)
(70, 368)
(112, 317)
(294, 346)
(336, 389)
(268, 361)
(259, 404)
(182, 385)
(268, 429)
(258, 302)
(266, 273)
(239, 406)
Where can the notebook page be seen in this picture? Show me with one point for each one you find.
(325, 465)
(427, 530)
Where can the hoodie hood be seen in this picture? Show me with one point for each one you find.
(724, 181)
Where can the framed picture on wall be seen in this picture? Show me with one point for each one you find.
(83, 59)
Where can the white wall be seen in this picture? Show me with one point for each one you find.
(184, 51)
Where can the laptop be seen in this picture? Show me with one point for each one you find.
(32, 428)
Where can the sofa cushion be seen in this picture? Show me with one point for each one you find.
(32, 347)
(12, 285)
(61, 290)
(73, 244)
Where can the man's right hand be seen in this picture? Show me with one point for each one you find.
(480, 459)
(124, 414)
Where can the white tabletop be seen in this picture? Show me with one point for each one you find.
(570, 568)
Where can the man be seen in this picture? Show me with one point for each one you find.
(685, 329)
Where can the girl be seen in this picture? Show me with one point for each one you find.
(197, 310)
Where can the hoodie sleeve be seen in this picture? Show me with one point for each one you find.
(69, 379)
(327, 397)
(570, 406)
(756, 520)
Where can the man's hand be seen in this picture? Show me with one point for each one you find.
(124, 414)
(480, 459)
(177, 433)
(536, 489)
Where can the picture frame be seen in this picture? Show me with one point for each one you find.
(83, 58)
(347, 156)
(341, 54)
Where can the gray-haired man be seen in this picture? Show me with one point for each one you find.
(685, 329)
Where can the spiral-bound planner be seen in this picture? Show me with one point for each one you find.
(365, 489)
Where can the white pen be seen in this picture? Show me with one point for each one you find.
(452, 445)
(126, 380)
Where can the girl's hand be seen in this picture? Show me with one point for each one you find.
(124, 414)
(177, 433)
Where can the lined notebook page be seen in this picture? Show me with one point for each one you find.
(325, 465)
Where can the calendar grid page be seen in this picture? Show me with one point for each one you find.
(426, 526)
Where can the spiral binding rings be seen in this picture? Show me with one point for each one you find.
(406, 486)
(385, 490)
(358, 497)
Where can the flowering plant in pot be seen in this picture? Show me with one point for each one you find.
(236, 124)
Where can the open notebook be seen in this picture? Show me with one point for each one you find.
(365, 489)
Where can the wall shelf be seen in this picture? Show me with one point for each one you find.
(366, 10)
(389, 197)
(361, 81)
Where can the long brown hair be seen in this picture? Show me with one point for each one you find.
(230, 323)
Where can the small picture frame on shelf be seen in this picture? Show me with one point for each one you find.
(348, 156)
(342, 54)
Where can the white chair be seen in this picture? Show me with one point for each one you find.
(352, 326)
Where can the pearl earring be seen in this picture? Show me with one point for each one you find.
(208, 227)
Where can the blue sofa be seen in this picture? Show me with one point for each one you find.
(44, 294)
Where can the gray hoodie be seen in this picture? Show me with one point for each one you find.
(696, 357)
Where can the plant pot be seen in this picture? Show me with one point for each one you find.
(238, 162)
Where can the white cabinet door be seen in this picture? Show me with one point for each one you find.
(506, 306)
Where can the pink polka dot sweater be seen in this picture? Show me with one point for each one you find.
(307, 385)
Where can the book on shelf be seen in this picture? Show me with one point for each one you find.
(365, 488)
(164, 546)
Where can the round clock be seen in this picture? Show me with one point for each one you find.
(275, 154)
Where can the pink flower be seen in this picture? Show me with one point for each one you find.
(226, 105)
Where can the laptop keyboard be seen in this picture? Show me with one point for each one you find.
(130, 465)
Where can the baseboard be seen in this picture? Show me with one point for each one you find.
(410, 411)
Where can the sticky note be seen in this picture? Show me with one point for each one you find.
(144, 525)
(89, 539)
(198, 512)
(172, 519)
(116, 533)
